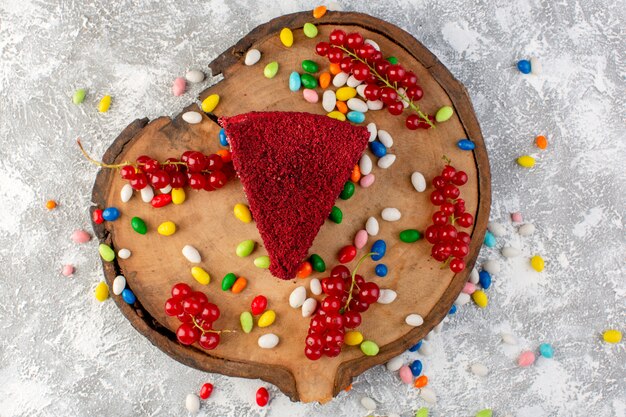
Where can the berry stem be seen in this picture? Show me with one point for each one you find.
(195, 323)
(346, 307)
(403, 97)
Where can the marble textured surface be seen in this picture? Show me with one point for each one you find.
(62, 353)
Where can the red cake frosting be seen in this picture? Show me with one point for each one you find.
(293, 167)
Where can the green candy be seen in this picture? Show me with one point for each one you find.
(317, 263)
(106, 252)
(310, 30)
(271, 69)
(369, 348)
(262, 262)
(392, 60)
(308, 81)
(79, 96)
(245, 248)
(348, 190)
(336, 215)
(310, 66)
(139, 225)
(245, 319)
(444, 114)
(484, 413)
(410, 235)
(228, 281)
(422, 412)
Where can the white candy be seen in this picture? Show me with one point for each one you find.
(192, 117)
(147, 194)
(329, 100)
(192, 254)
(308, 307)
(390, 214)
(414, 320)
(192, 403)
(374, 44)
(119, 283)
(496, 229)
(492, 266)
(316, 286)
(479, 369)
(124, 253)
(405, 101)
(386, 296)
(395, 364)
(385, 138)
(371, 226)
(535, 66)
(360, 90)
(194, 76)
(474, 278)
(297, 297)
(166, 190)
(353, 82)
(365, 165)
(386, 161)
(357, 104)
(426, 349)
(509, 339)
(268, 341)
(510, 252)
(252, 57)
(126, 193)
(368, 404)
(462, 299)
(526, 229)
(340, 79)
(375, 105)
(428, 395)
(418, 181)
(371, 127)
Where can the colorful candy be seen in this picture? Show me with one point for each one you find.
(178, 86)
(386, 161)
(378, 149)
(526, 229)
(102, 291)
(240, 284)
(178, 196)
(346, 254)
(129, 296)
(414, 320)
(206, 390)
(418, 181)
(353, 338)
(310, 96)
(297, 297)
(371, 226)
(336, 215)
(267, 318)
(421, 381)
(245, 248)
(294, 81)
(191, 254)
(308, 307)
(410, 235)
(242, 213)
(391, 214)
(526, 161)
(228, 281)
(485, 413)
(369, 348)
(317, 263)
(480, 298)
(386, 296)
(466, 145)
(262, 397)
(310, 66)
(310, 30)
(524, 66)
(223, 138)
(541, 142)
(192, 117)
(304, 270)
(444, 114)
(268, 341)
(379, 248)
(80, 236)
(124, 253)
(612, 336)
(337, 115)
(79, 96)
(355, 117)
(262, 262)
(194, 76)
(319, 11)
(192, 403)
(405, 374)
(286, 37)
(119, 283)
(537, 263)
(252, 57)
(67, 270)
(246, 322)
(139, 225)
(271, 70)
(210, 103)
(167, 228)
(546, 350)
(106, 252)
(381, 270)
(484, 278)
(105, 104)
(110, 214)
(526, 358)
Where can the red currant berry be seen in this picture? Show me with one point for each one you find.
(437, 198)
(337, 37)
(460, 178)
(415, 93)
(372, 92)
(333, 286)
(448, 172)
(463, 237)
(258, 304)
(358, 305)
(448, 233)
(217, 179)
(447, 208)
(170, 166)
(365, 51)
(409, 79)
(312, 354)
(185, 156)
(181, 290)
(395, 108)
(210, 312)
(185, 318)
(457, 265)
(160, 179)
(388, 95)
(352, 319)
(318, 323)
(451, 191)
(209, 340)
(441, 251)
(340, 271)
(376, 56)
(196, 162)
(459, 248)
(331, 304)
(432, 234)
(127, 172)
(335, 55)
(346, 64)
(314, 341)
(214, 162)
(381, 66)
(465, 220)
(187, 334)
(395, 73)
(191, 306)
(413, 121)
(173, 307)
(334, 337)
(439, 182)
(369, 292)
(354, 40)
(459, 206)
(332, 351)
(322, 48)
(178, 180)
(139, 181)
(206, 390)
(197, 181)
(440, 218)
(360, 71)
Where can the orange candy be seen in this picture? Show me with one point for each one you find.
(304, 270)
(225, 155)
(541, 142)
(239, 285)
(319, 11)
(348, 388)
(324, 80)
(335, 69)
(355, 176)
(51, 204)
(421, 381)
(342, 107)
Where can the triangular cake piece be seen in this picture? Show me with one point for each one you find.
(293, 167)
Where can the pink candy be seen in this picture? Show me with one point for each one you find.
(360, 239)
(179, 86)
(469, 288)
(67, 270)
(516, 217)
(526, 358)
(405, 374)
(367, 180)
(310, 95)
(80, 236)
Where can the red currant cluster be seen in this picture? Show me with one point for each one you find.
(347, 296)
(197, 315)
(450, 246)
(389, 82)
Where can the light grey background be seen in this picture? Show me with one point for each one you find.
(64, 354)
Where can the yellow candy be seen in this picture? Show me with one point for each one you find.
(210, 103)
(200, 275)
(337, 115)
(178, 195)
(526, 161)
(104, 104)
(345, 93)
(167, 228)
(286, 37)
(267, 318)
(480, 298)
(537, 263)
(102, 291)
(353, 338)
(242, 213)
(612, 336)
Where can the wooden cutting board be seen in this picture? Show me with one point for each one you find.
(206, 220)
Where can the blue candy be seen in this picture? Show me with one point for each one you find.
(415, 347)
(416, 367)
(452, 309)
(465, 144)
(355, 116)
(524, 66)
(381, 270)
(110, 214)
(546, 350)
(294, 81)
(484, 278)
(128, 296)
(223, 138)
(378, 248)
(490, 240)
(378, 149)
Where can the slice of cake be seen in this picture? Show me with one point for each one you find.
(293, 167)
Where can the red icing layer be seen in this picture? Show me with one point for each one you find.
(293, 167)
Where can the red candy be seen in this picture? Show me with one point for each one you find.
(262, 397)
(96, 216)
(346, 254)
(258, 305)
(206, 390)
(161, 200)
